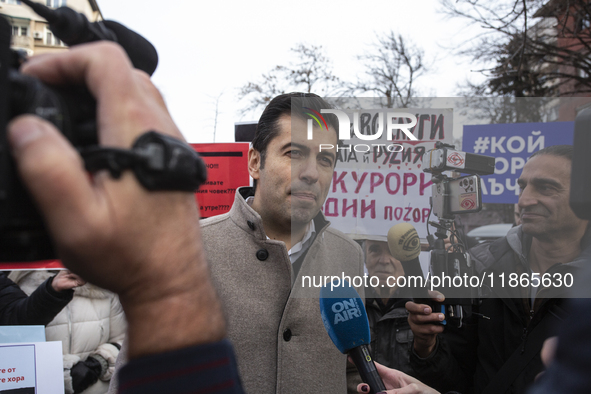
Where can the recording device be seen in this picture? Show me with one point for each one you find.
(580, 187)
(405, 246)
(444, 157)
(345, 320)
(456, 195)
(160, 160)
(451, 196)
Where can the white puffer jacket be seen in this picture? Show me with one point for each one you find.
(88, 325)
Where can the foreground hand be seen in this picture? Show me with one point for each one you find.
(425, 324)
(547, 354)
(397, 382)
(145, 246)
(66, 280)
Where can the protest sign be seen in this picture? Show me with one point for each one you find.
(227, 169)
(31, 368)
(31, 265)
(377, 184)
(511, 145)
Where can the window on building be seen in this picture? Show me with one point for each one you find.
(55, 3)
(583, 22)
(19, 30)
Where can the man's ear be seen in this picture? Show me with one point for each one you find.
(254, 163)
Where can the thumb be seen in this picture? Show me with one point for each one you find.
(51, 169)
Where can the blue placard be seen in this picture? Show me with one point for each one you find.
(19, 334)
(511, 145)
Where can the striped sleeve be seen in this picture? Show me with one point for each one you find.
(209, 368)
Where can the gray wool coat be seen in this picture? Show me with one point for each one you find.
(275, 325)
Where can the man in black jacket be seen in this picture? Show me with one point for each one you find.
(501, 354)
(391, 336)
(16, 308)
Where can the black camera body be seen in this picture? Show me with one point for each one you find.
(580, 187)
(23, 236)
(451, 196)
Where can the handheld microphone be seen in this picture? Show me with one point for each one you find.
(405, 246)
(345, 320)
(74, 28)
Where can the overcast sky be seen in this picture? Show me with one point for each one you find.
(208, 49)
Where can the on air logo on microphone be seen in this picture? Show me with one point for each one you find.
(345, 310)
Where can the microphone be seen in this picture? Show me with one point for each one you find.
(345, 320)
(405, 246)
(73, 28)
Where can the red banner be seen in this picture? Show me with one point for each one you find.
(227, 169)
(32, 265)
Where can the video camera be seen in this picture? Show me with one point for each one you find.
(451, 196)
(159, 162)
(73, 111)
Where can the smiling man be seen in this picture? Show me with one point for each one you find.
(501, 354)
(274, 233)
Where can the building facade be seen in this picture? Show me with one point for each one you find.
(31, 33)
(571, 25)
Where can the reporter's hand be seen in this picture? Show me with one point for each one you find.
(397, 382)
(425, 324)
(66, 280)
(145, 246)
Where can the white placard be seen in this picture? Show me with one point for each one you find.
(373, 188)
(35, 367)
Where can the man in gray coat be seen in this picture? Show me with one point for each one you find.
(272, 237)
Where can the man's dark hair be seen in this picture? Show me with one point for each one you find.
(565, 151)
(287, 104)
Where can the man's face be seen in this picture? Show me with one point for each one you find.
(543, 200)
(296, 176)
(380, 262)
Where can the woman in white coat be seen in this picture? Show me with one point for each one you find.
(91, 328)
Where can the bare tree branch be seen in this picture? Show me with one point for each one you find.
(391, 69)
(310, 72)
(550, 57)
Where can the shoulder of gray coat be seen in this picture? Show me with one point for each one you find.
(214, 219)
(339, 235)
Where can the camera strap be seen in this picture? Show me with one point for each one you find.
(159, 162)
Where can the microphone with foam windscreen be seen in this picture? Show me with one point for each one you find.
(405, 246)
(345, 320)
(74, 28)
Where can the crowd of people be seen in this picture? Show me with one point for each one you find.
(212, 306)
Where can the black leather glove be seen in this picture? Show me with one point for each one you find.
(85, 373)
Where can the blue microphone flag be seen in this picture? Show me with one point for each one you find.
(344, 316)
